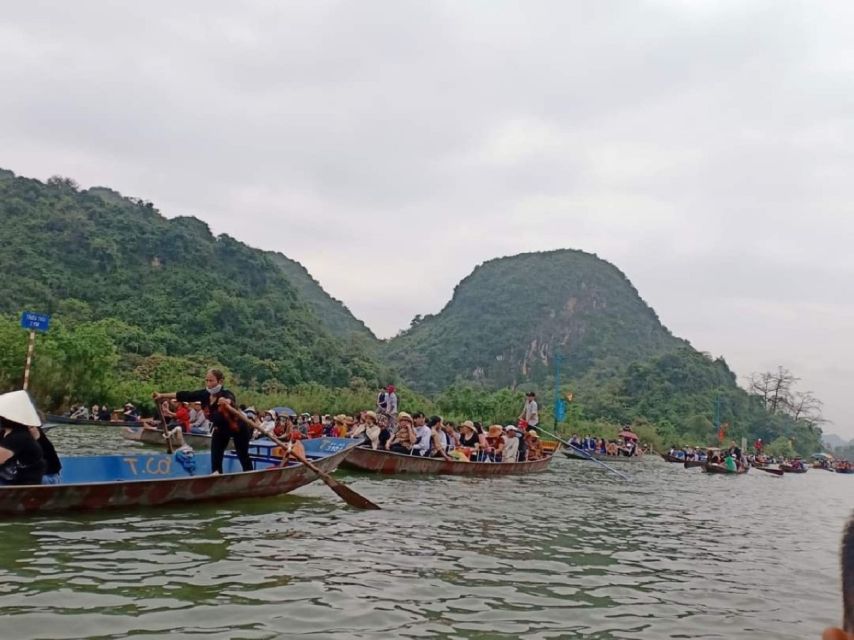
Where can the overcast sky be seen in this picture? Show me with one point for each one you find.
(706, 148)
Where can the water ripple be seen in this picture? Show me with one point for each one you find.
(570, 553)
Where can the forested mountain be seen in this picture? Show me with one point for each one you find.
(336, 317)
(141, 302)
(172, 286)
(507, 320)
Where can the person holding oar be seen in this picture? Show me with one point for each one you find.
(215, 402)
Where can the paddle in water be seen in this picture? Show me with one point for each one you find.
(344, 492)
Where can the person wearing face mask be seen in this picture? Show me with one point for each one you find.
(215, 401)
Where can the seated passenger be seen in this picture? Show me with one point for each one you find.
(494, 443)
(385, 431)
(510, 450)
(423, 435)
(267, 424)
(53, 466)
(130, 414)
(339, 423)
(372, 430)
(535, 447)
(315, 427)
(438, 438)
(469, 440)
(79, 412)
(21, 457)
(182, 416)
(404, 440)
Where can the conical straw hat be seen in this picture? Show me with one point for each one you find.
(17, 407)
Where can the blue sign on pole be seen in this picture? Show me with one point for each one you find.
(35, 321)
(560, 410)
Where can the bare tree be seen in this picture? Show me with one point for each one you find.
(805, 406)
(774, 387)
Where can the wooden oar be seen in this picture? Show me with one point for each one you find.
(165, 428)
(344, 492)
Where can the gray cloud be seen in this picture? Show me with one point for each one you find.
(703, 147)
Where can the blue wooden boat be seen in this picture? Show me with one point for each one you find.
(146, 480)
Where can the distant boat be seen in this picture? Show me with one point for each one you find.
(56, 419)
(128, 481)
(389, 462)
(578, 455)
(719, 468)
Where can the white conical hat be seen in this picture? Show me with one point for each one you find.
(17, 406)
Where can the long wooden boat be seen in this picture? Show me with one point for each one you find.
(124, 481)
(720, 468)
(576, 455)
(671, 458)
(848, 470)
(787, 468)
(55, 419)
(388, 462)
(155, 437)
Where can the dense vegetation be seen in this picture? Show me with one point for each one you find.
(168, 286)
(140, 303)
(508, 319)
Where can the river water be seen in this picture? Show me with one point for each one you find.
(571, 553)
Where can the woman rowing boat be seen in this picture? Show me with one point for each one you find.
(215, 402)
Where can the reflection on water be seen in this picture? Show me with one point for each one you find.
(570, 553)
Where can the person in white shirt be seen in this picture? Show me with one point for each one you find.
(268, 422)
(530, 412)
(511, 444)
(198, 420)
(423, 435)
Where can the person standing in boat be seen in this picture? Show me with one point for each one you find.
(530, 412)
(226, 426)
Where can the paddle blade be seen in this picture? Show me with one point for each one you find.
(351, 497)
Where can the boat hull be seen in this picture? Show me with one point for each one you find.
(669, 458)
(53, 419)
(575, 455)
(155, 437)
(785, 468)
(160, 479)
(719, 468)
(387, 462)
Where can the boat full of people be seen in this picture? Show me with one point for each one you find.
(436, 447)
(147, 480)
(623, 448)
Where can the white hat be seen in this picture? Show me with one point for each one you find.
(510, 427)
(17, 407)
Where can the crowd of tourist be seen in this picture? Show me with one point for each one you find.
(384, 428)
(622, 446)
(411, 434)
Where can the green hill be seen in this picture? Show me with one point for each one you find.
(507, 320)
(175, 288)
(336, 317)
